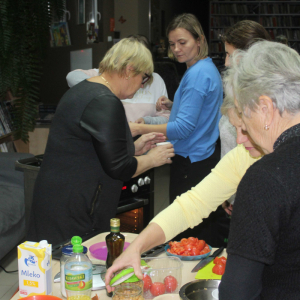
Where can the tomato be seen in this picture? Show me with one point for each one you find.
(147, 282)
(223, 260)
(188, 247)
(170, 283)
(216, 260)
(157, 288)
(219, 269)
(195, 251)
(192, 240)
(184, 242)
(201, 244)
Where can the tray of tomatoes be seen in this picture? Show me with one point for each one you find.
(188, 249)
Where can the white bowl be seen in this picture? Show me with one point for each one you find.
(167, 297)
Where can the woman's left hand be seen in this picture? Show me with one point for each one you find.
(148, 141)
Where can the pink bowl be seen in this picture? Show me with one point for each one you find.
(99, 250)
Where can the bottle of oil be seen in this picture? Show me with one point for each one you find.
(114, 242)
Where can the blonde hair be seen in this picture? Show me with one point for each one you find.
(127, 52)
(190, 23)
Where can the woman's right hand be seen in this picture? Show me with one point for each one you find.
(163, 103)
(131, 257)
(161, 155)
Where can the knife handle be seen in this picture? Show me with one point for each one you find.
(217, 252)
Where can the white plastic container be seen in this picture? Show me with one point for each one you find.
(35, 268)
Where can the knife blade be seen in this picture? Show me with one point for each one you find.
(207, 260)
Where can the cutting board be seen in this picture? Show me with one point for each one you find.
(207, 273)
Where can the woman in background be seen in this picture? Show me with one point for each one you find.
(90, 151)
(142, 107)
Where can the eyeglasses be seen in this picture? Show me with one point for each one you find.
(145, 79)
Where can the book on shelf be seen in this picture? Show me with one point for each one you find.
(3, 147)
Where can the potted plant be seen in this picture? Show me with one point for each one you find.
(24, 39)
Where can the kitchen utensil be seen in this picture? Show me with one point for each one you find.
(155, 250)
(207, 273)
(99, 250)
(207, 260)
(189, 258)
(200, 290)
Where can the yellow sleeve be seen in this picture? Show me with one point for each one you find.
(190, 208)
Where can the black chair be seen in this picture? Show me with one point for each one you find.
(169, 74)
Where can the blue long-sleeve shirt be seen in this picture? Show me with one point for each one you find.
(193, 124)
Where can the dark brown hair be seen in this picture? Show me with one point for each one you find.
(245, 33)
(190, 23)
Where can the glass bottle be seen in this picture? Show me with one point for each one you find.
(78, 273)
(114, 242)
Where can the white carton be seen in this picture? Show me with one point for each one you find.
(35, 272)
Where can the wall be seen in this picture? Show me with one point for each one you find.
(57, 65)
(136, 14)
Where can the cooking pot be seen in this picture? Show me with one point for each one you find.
(203, 289)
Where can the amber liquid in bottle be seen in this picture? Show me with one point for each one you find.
(114, 242)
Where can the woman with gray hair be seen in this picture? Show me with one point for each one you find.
(264, 239)
(90, 150)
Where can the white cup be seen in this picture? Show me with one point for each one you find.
(163, 143)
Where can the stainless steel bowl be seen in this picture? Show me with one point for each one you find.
(200, 290)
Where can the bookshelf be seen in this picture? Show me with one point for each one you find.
(278, 18)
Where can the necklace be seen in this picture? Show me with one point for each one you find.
(107, 84)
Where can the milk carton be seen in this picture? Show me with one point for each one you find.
(35, 273)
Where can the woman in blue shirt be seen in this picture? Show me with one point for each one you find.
(193, 124)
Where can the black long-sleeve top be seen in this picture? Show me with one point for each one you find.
(264, 238)
(89, 153)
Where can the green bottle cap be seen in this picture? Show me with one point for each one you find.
(76, 242)
(127, 275)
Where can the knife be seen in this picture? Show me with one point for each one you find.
(207, 260)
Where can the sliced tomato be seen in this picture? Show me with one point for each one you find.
(195, 251)
(223, 260)
(192, 240)
(219, 269)
(184, 242)
(201, 244)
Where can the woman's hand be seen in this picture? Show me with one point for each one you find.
(161, 155)
(163, 103)
(140, 121)
(227, 207)
(147, 142)
(131, 257)
(134, 129)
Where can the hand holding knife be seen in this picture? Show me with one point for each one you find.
(207, 260)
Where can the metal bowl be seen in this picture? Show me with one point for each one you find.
(203, 289)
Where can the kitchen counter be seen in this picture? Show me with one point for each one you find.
(187, 275)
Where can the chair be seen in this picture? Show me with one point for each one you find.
(12, 203)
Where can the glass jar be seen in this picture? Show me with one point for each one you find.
(128, 291)
(66, 252)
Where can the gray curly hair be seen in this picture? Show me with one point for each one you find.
(267, 68)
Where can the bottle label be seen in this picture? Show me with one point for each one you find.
(115, 229)
(78, 278)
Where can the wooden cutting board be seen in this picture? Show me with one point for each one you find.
(206, 272)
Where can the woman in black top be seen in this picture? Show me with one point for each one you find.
(264, 239)
(90, 151)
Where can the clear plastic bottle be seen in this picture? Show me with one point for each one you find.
(67, 251)
(78, 273)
